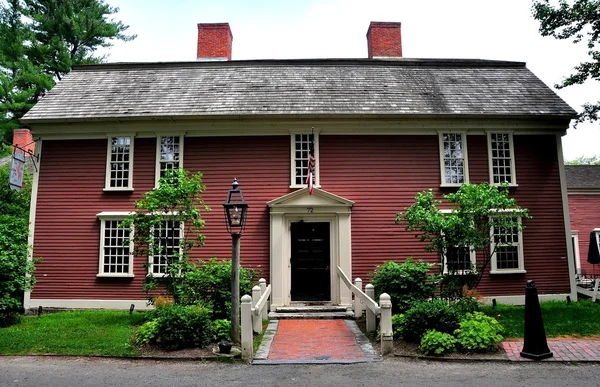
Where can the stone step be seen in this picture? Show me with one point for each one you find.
(310, 309)
(311, 315)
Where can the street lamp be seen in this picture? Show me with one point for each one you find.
(236, 210)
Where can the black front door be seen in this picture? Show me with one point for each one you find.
(310, 262)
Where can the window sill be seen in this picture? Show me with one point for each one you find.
(509, 186)
(515, 271)
(300, 186)
(118, 189)
(115, 275)
(452, 185)
(461, 272)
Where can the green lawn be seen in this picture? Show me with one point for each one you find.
(560, 319)
(106, 333)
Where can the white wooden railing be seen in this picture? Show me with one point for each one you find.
(254, 311)
(365, 301)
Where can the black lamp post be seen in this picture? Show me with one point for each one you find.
(236, 210)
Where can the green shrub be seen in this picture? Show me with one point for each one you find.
(437, 343)
(221, 330)
(397, 324)
(406, 283)
(182, 326)
(468, 305)
(478, 333)
(436, 314)
(210, 283)
(147, 332)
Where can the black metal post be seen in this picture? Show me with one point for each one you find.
(535, 345)
(235, 287)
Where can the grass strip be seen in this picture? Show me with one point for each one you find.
(102, 333)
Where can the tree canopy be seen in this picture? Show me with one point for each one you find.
(578, 20)
(40, 41)
(583, 160)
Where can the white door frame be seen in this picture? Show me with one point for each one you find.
(297, 206)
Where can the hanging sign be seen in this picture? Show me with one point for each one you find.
(17, 168)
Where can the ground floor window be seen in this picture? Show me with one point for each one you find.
(116, 258)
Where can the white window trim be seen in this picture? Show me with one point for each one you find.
(157, 163)
(107, 186)
(107, 216)
(576, 256)
(293, 161)
(465, 158)
(513, 170)
(151, 257)
(521, 258)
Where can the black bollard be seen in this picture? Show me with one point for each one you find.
(535, 345)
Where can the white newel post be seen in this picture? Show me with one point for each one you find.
(246, 327)
(371, 318)
(358, 305)
(263, 287)
(387, 334)
(256, 319)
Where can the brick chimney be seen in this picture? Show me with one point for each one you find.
(23, 138)
(214, 41)
(384, 40)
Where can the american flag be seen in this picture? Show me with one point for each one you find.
(311, 166)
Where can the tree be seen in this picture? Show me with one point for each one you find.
(40, 41)
(15, 268)
(579, 21)
(174, 205)
(476, 210)
(582, 160)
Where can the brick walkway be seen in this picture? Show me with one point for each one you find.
(577, 350)
(316, 341)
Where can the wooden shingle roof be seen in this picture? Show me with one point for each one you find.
(583, 177)
(328, 87)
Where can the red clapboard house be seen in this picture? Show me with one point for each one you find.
(583, 188)
(385, 128)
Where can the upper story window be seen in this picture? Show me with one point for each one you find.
(166, 247)
(453, 159)
(116, 245)
(119, 164)
(300, 155)
(169, 154)
(501, 158)
(507, 244)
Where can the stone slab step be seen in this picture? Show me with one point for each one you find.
(313, 315)
(311, 309)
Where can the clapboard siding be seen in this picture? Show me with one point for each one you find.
(584, 211)
(381, 174)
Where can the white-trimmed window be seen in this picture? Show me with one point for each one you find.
(119, 164)
(116, 258)
(507, 244)
(453, 159)
(459, 260)
(501, 158)
(166, 246)
(169, 154)
(300, 154)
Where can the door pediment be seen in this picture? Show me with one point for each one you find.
(318, 199)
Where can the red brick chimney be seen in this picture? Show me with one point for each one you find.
(23, 138)
(384, 40)
(214, 41)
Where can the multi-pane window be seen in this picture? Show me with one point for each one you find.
(453, 156)
(115, 248)
(501, 158)
(507, 244)
(168, 154)
(459, 260)
(166, 246)
(119, 163)
(300, 157)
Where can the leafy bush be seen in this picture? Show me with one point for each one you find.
(147, 332)
(181, 326)
(210, 283)
(397, 324)
(437, 343)
(478, 333)
(406, 283)
(424, 316)
(14, 265)
(221, 330)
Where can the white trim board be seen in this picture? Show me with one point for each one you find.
(87, 304)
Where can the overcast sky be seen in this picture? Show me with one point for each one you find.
(268, 29)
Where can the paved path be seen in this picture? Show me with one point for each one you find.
(313, 342)
(576, 350)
